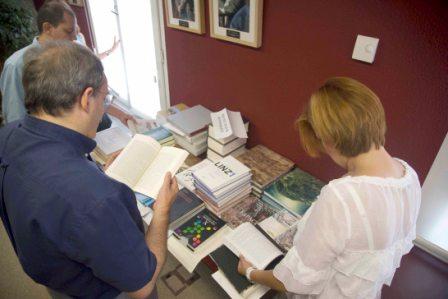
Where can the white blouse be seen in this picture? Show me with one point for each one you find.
(350, 242)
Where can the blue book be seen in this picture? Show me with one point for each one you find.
(159, 133)
(144, 200)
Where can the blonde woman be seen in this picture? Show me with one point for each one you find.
(351, 241)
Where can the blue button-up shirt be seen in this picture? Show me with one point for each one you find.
(74, 229)
(13, 95)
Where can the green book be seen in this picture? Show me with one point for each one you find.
(295, 191)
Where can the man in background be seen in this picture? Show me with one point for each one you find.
(55, 21)
(74, 229)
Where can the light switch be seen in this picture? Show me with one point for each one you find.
(365, 48)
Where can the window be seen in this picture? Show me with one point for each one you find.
(135, 70)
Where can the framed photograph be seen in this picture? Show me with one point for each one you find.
(186, 15)
(238, 21)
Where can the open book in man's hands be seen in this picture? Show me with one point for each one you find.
(143, 163)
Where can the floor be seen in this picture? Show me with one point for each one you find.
(14, 283)
(420, 276)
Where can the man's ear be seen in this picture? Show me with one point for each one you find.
(47, 28)
(86, 99)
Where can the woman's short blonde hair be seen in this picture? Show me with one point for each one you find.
(344, 113)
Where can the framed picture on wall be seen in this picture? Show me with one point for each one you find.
(238, 21)
(185, 15)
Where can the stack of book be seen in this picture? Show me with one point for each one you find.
(162, 115)
(162, 135)
(295, 191)
(108, 142)
(266, 166)
(223, 184)
(219, 148)
(189, 128)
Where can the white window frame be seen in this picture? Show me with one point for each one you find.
(160, 53)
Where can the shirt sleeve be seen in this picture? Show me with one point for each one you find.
(109, 242)
(307, 266)
(13, 95)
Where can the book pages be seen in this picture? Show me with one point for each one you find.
(227, 123)
(133, 161)
(168, 159)
(112, 140)
(221, 173)
(246, 240)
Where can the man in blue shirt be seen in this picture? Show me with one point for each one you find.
(74, 229)
(55, 21)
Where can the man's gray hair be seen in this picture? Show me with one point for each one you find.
(56, 74)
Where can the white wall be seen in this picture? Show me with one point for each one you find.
(432, 225)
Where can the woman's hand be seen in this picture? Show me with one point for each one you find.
(243, 265)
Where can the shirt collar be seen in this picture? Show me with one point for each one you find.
(82, 144)
(35, 41)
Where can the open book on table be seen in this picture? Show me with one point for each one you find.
(255, 245)
(143, 163)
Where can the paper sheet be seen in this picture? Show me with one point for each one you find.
(112, 139)
(273, 227)
(141, 126)
(227, 123)
(254, 292)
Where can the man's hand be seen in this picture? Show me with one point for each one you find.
(124, 118)
(243, 265)
(167, 194)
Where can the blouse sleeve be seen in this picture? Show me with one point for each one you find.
(307, 265)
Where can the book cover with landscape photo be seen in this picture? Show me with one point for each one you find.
(265, 164)
(296, 191)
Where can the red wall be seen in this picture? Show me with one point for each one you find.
(305, 42)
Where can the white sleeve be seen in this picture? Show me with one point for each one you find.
(307, 265)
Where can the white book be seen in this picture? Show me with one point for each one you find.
(112, 140)
(222, 173)
(227, 148)
(185, 178)
(195, 139)
(248, 241)
(227, 123)
(195, 150)
(143, 163)
(221, 202)
(190, 121)
(234, 187)
(214, 157)
(211, 133)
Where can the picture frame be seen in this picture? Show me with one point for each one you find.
(238, 21)
(187, 15)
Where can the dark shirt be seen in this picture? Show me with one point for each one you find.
(73, 228)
